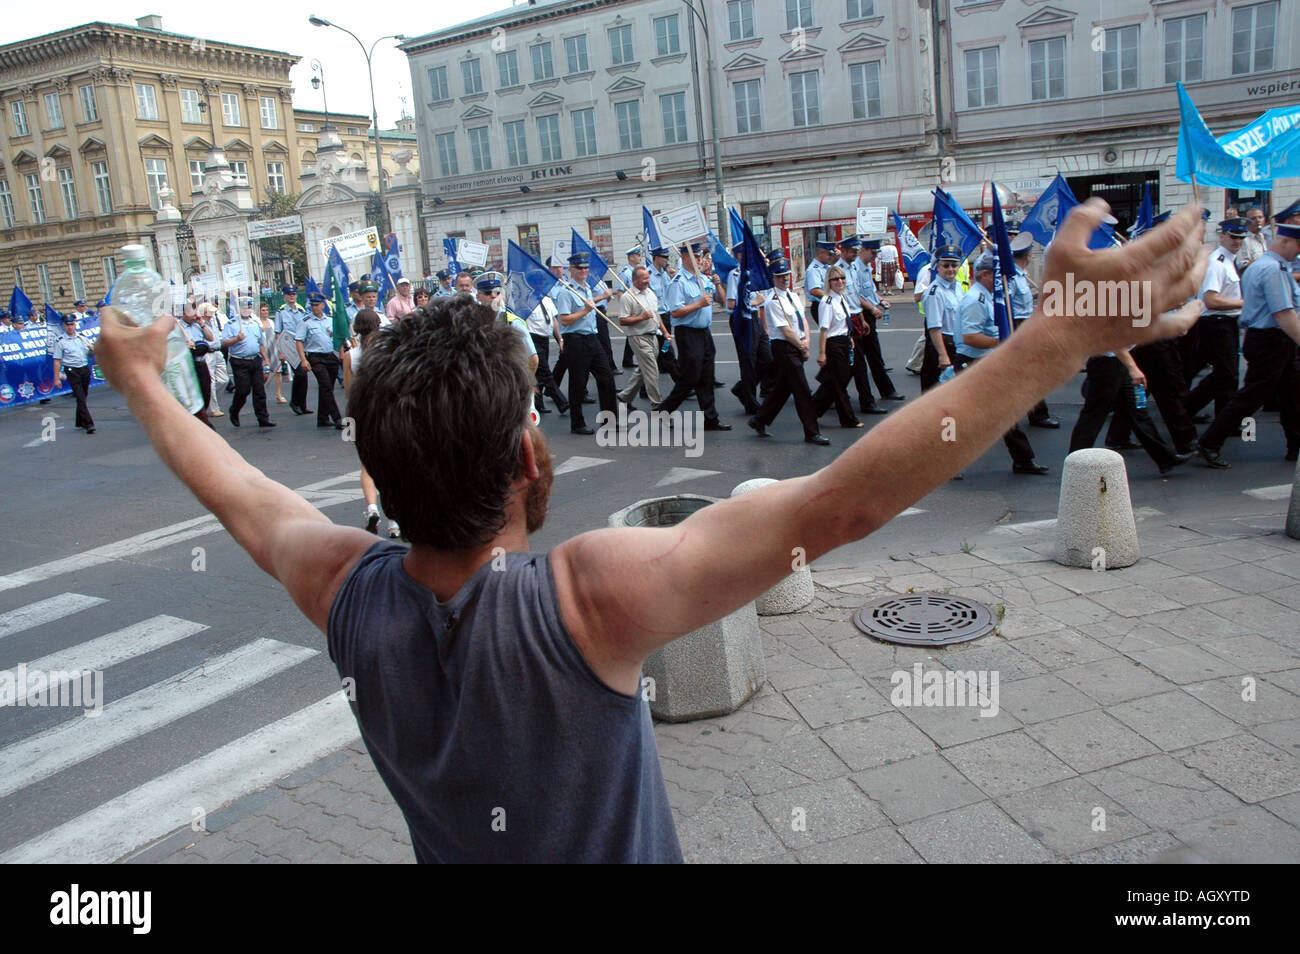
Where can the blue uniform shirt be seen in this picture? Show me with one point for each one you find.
(864, 282)
(519, 325)
(195, 333)
(975, 317)
(684, 289)
(316, 334)
(251, 346)
(814, 277)
(566, 303)
(73, 352)
(1022, 296)
(1266, 288)
(851, 287)
(659, 285)
(288, 319)
(941, 300)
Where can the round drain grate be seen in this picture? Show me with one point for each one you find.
(924, 619)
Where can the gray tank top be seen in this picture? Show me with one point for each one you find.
(496, 738)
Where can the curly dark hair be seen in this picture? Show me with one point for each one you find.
(365, 323)
(440, 403)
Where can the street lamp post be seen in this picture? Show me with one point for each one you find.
(713, 118)
(374, 108)
(318, 82)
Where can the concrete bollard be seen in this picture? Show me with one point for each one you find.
(1094, 521)
(1293, 511)
(796, 590)
(710, 671)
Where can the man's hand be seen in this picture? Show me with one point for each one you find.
(1136, 376)
(129, 356)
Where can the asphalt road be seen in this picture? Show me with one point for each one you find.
(110, 564)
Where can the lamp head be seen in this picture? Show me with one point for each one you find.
(317, 21)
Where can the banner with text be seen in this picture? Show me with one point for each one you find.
(27, 363)
(353, 245)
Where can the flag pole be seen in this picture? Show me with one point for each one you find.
(585, 297)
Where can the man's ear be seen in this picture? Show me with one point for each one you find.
(527, 459)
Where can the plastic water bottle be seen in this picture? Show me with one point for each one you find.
(141, 295)
(947, 374)
(884, 319)
(1139, 396)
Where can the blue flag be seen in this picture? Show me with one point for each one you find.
(393, 259)
(20, 304)
(1272, 140)
(1146, 214)
(1004, 268)
(952, 226)
(1245, 163)
(1051, 209)
(528, 281)
(310, 287)
(453, 264)
(755, 275)
(737, 226)
(380, 275)
(651, 233)
(915, 257)
(722, 259)
(598, 267)
(52, 317)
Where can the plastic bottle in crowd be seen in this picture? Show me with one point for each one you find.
(141, 295)
(1139, 396)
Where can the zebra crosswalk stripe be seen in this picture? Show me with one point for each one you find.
(45, 611)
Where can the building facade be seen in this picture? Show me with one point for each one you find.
(557, 115)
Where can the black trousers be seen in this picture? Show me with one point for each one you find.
(1272, 371)
(1109, 386)
(79, 381)
(1162, 363)
(248, 377)
(602, 329)
(545, 381)
(787, 363)
(204, 374)
(1217, 340)
(870, 358)
(629, 359)
(298, 391)
(325, 367)
(695, 366)
(764, 369)
(586, 356)
(666, 359)
(1017, 442)
(834, 380)
(746, 389)
(930, 368)
(1039, 411)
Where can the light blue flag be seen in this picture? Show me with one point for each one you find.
(737, 225)
(528, 281)
(915, 257)
(723, 260)
(1247, 164)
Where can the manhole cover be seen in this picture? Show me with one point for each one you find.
(924, 619)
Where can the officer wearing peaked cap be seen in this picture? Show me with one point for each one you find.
(690, 307)
(244, 339)
(1217, 332)
(489, 294)
(785, 323)
(866, 340)
(315, 337)
(941, 299)
(583, 353)
(814, 277)
(625, 276)
(287, 320)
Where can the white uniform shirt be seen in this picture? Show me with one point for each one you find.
(541, 320)
(1220, 277)
(782, 310)
(833, 315)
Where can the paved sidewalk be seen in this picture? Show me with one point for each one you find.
(1123, 731)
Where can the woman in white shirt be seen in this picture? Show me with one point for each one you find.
(835, 351)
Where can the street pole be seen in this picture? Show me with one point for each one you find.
(723, 231)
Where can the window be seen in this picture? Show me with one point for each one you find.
(492, 239)
(239, 172)
(1119, 60)
(982, 77)
(103, 191)
(270, 112)
(230, 110)
(575, 50)
(629, 124)
(1184, 49)
(447, 154)
(584, 132)
(306, 127)
(864, 85)
(68, 190)
(740, 19)
(35, 199)
(620, 45)
(6, 204)
(667, 36)
(805, 99)
(155, 173)
(798, 13)
(674, 110)
(275, 181)
(860, 9)
(47, 286)
(109, 264)
(190, 112)
(548, 131)
(89, 108)
(530, 240)
(1252, 38)
(508, 68)
(472, 77)
(543, 67)
(78, 280)
(146, 101)
(355, 131)
(18, 110)
(1047, 68)
(438, 91)
(516, 143)
(53, 111)
(749, 107)
(479, 149)
(196, 175)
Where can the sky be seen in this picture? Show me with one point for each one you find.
(284, 27)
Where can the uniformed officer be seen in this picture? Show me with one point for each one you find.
(203, 341)
(814, 277)
(315, 343)
(625, 276)
(370, 296)
(866, 337)
(287, 320)
(489, 294)
(746, 389)
(1256, 240)
(1218, 335)
(1269, 314)
(243, 338)
(835, 349)
(6, 322)
(80, 312)
(1021, 294)
(690, 306)
(444, 289)
(72, 362)
(354, 303)
(583, 353)
(659, 279)
(788, 332)
(941, 300)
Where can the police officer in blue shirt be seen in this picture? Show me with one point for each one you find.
(243, 340)
(690, 306)
(814, 277)
(1022, 306)
(625, 276)
(940, 300)
(1268, 313)
(783, 317)
(315, 338)
(746, 389)
(72, 361)
(489, 294)
(583, 353)
(287, 320)
(659, 279)
(866, 340)
(444, 289)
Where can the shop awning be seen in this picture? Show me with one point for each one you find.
(843, 208)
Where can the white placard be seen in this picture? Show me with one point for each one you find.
(178, 297)
(681, 225)
(353, 245)
(873, 221)
(235, 276)
(472, 253)
(208, 284)
(270, 228)
(560, 251)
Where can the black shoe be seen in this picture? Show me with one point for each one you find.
(544, 410)
(656, 407)
(758, 428)
(1177, 461)
(1292, 453)
(718, 384)
(821, 439)
(1212, 459)
(581, 430)
(45, 400)
(1201, 418)
(875, 409)
(563, 411)
(1127, 445)
(895, 397)
(372, 522)
(234, 416)
(1029, 467)
(1192, 448)
(716, 425)
(1051, 423)
(588, 400)
(272, 424)
(306, 409)
(230, 387)
(91, 430)
(643, 395)
(888, 369)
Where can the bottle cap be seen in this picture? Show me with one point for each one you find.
(135, 253)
